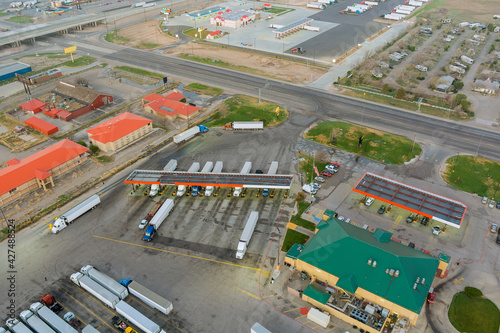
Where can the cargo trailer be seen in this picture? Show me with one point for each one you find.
(98, 291)
(105, 280)
(52, 319)
(149, 297)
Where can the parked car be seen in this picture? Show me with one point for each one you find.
(381, 210)
(410, 218)
(494, 228)
(492, 204)
(430, 297)
(347, 220)
(341, 218)
(143, 223)
(326, 173)
(498, 204)
(317, 186)
(332, 168)
(484, 201)
(319, 179)
(369, 202)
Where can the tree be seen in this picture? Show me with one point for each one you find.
(459, 98)
(82, 143)
(94, 149)
(386, 89)
(465, 104)
(458, 84)
(400, 93)
(491, 27)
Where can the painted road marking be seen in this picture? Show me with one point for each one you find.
(178, 253)
(276, 300)
(247, 293)
(458, 280)
(330, 329)
(306, 322)
(268, 296)
(314, 327)
(394, 225)
(278, 306)
(265, 274)
(300, 317)
(290, 310)
(64, 291)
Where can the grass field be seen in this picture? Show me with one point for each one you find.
(306, 165)
(291, 238)
(245, 108)
(203, 89)
(192, 32)
(21, 19)
(82, 61)
(113, 37)
(464, 10)
(300, 221)
(474, 314)
(140, 72)
(377, 145)
(146, 45)
(474, 175)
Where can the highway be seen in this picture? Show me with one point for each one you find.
(324, 105)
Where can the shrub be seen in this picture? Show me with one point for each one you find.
(458, 84)
(94, 149)
(473, 292)
(459, 98)
(300, 196)
(82, 143)
(386, 89)
(465, 105)
(400, 93)
(183, 100)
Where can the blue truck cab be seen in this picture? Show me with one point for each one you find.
(195, 191)
(150, 232)
(203, 129)
(265, 193)
(125, 282)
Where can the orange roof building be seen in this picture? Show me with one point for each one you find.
(41, 125)
(119, 131)
(169, 106)
(39, 169)
(33, 106)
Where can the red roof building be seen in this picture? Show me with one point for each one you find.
(169, 106)
(39, 169)
(119, 131)
(33, 106)
(41, 125)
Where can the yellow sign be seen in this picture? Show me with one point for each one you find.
(70, 49)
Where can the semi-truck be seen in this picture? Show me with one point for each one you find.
(16, 326)
(138, 4)
(53, 320)
(147, 296)
(89, 329)
(217, 169)
(3, 330)
(402, 11)
(171, 165)
(33, 321)
(149, 215)
(98, 291)
(158, 219)
(206, 169)
(66, 218)
(258, 328)
(246, 169)
(136, 318)
(105, 281)
(246, 235)
(272, 171)
(188, 134)
(244, 125)
(316, 5)
(181, 190)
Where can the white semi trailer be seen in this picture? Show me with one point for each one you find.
(217, 169)
(33, 321)
(16, 326)
(66, 218)
(147, 296)
(94, 288)
(51, 318)
(246, 169)
(181, 190)
(137, 319)
(246, 235)
(105, 281)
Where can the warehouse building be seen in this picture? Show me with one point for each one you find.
(119, 131)
(68, 101)
(41, 125)
(39, 170)
(364, 278)
(9, 70)
(171, 106)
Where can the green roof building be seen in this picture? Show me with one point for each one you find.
(368, 265)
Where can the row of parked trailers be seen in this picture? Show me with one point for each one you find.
(402, 11)
(113, 294)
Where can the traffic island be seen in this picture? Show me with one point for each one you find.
(367, 142)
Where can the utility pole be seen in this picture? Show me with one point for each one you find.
(413, 145)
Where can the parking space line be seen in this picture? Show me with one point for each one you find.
(314, 327)
(247, 293)
(64, 291)
(276, 300)
(268, 296)
(306, 322)
(330, 329)
(300, 317)
(278, 306)
(178, 253)
(290, 310)
(394, 225)
(151, 310)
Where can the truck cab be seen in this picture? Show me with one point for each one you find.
(203, 129)
(265, 193)
(241, 250)
(181, 190)
(149, 234)
(237, 191)
(195, 191)
(154, 190)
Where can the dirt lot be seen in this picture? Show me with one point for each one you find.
(48, 60)
(145, 32)
(261, 65)
(466, 10)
